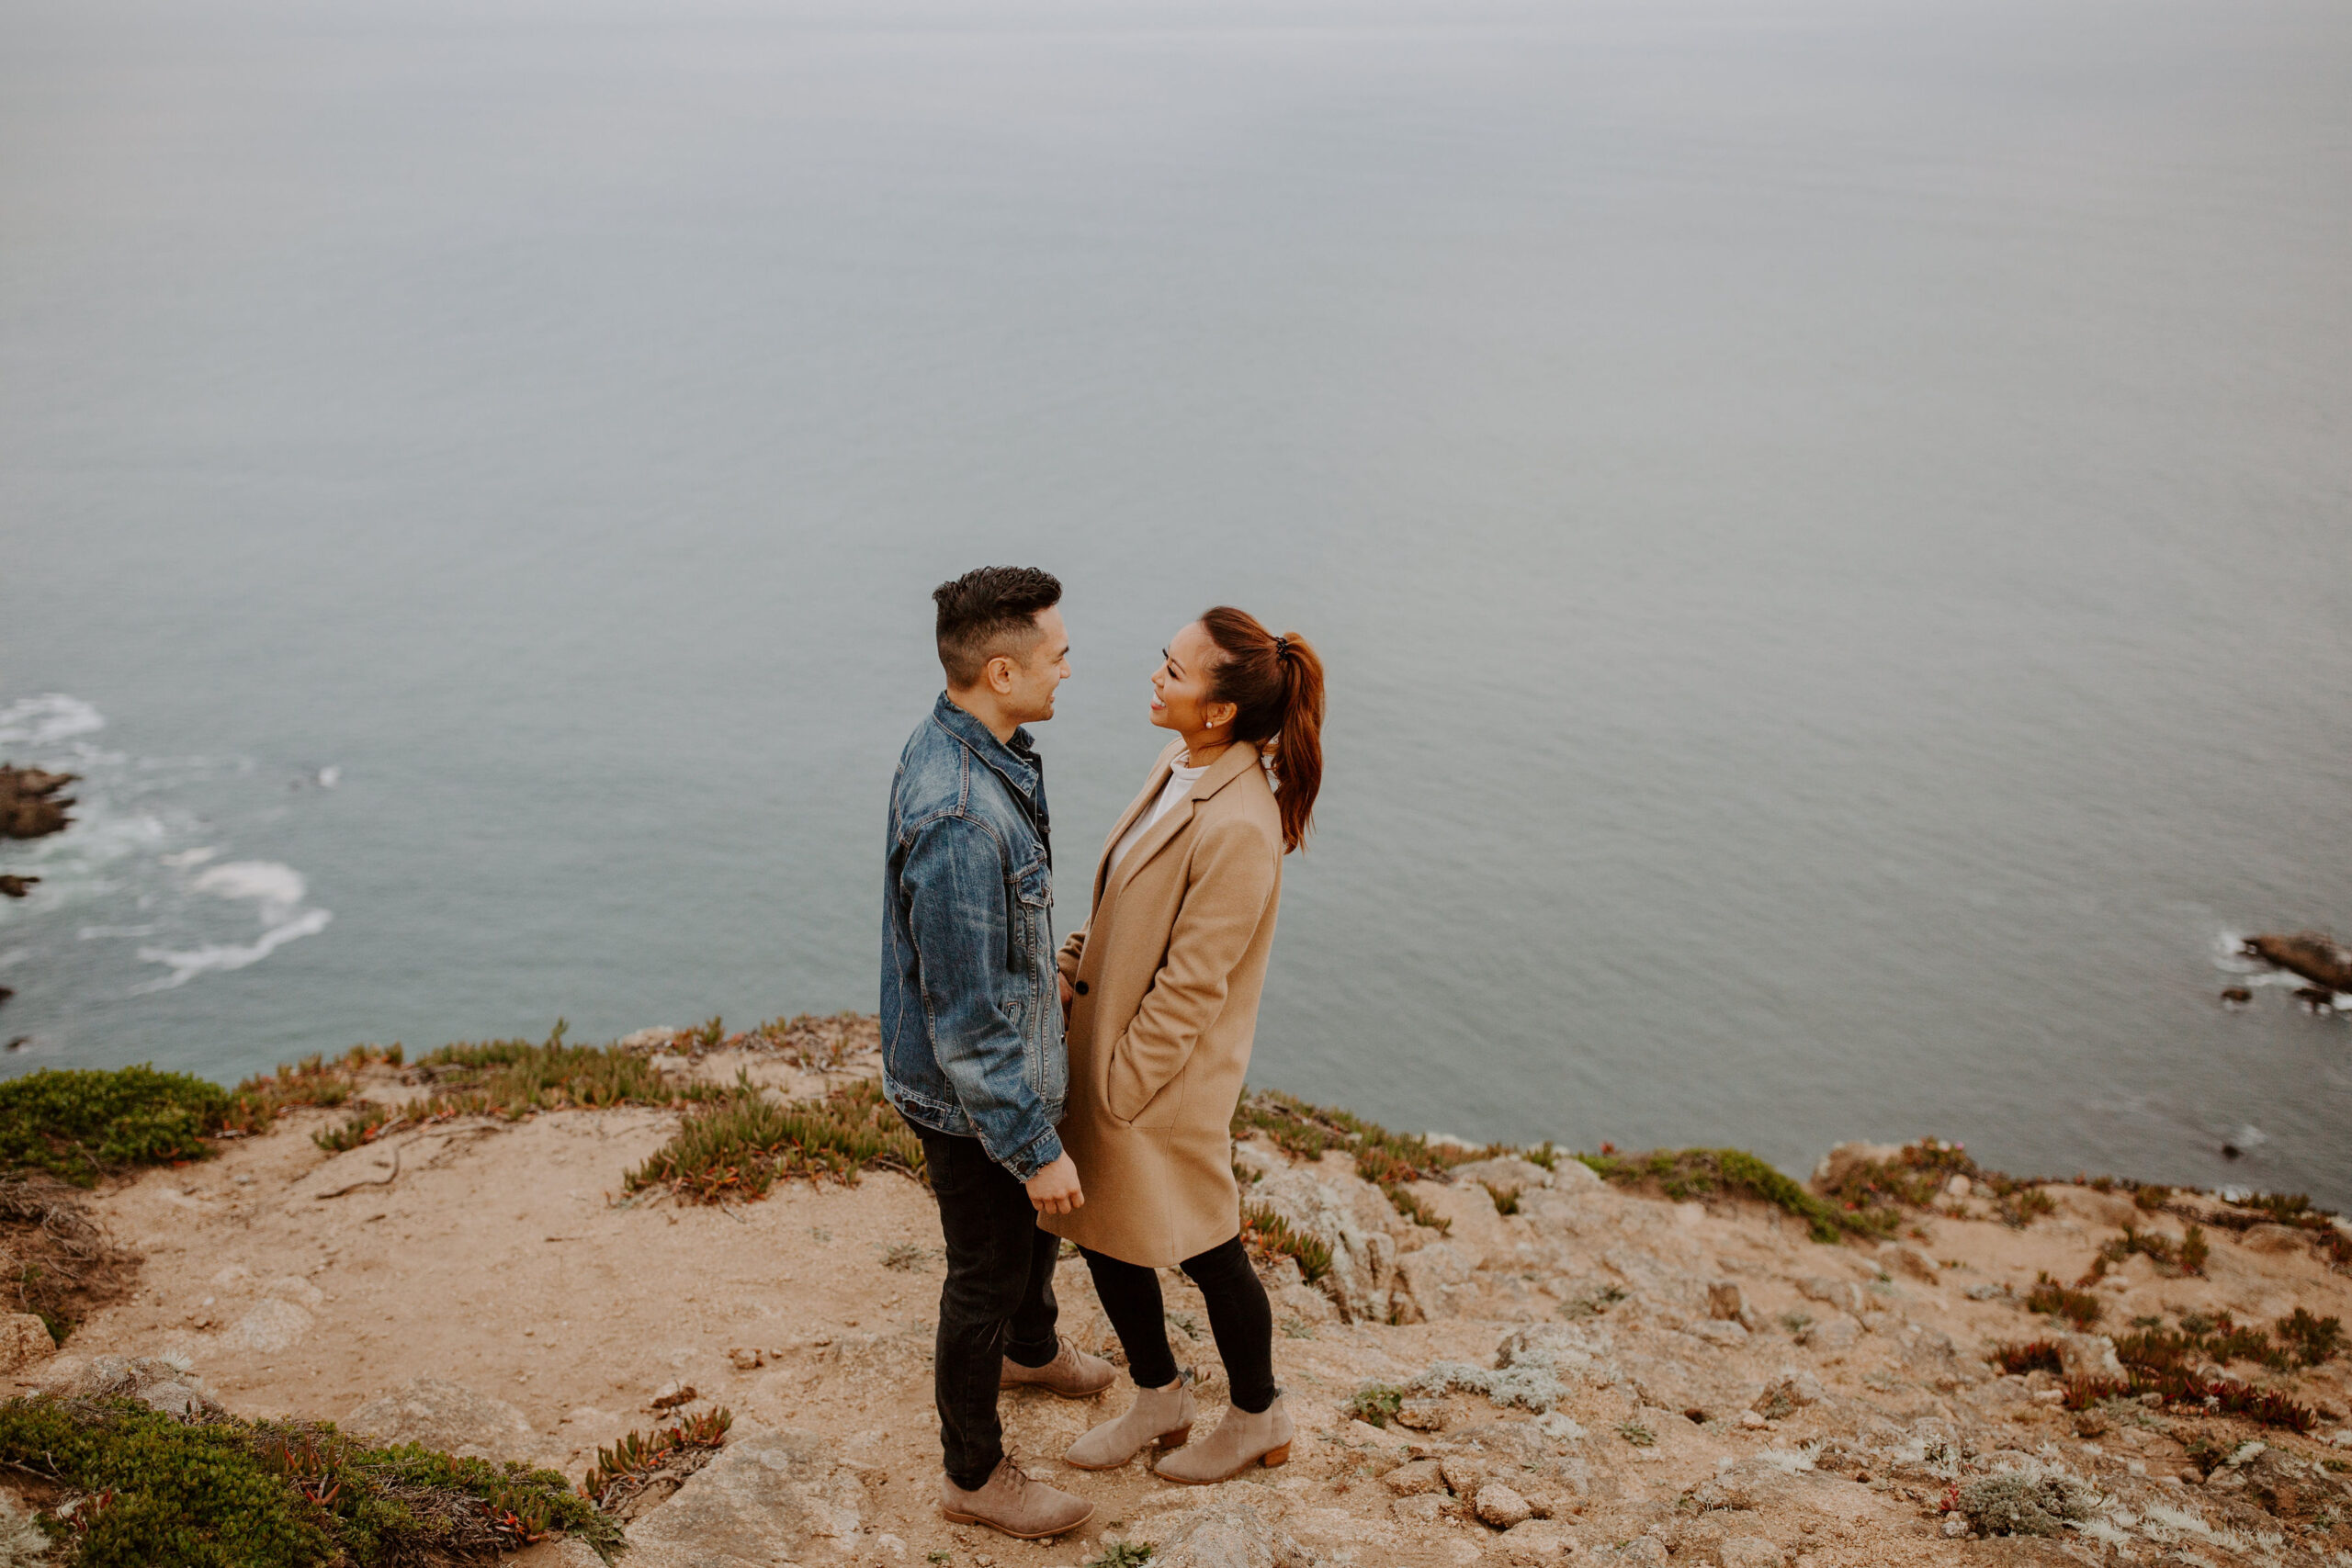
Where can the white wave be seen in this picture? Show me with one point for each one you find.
(278, 888)
(47, 718)
(187, 858)
(330, 776)
(94, 934)
(187, 964)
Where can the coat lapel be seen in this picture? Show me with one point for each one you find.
(1223, 771)
(1136, 807)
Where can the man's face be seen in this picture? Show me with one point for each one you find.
(1035, 679)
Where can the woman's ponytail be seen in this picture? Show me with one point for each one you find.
(1276, 683)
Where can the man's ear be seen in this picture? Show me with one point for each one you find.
(1000, 673)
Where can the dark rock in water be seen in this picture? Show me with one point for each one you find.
(5, 993)
(17, 887)
(2230, 1151)
(2320, 1002)
(2236, 996)
(31, 805)
(2315, 955)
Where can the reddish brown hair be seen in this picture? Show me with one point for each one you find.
(1276, 683)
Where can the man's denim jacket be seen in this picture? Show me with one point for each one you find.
(971, 1023)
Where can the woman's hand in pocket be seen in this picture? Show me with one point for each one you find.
(1068, 996)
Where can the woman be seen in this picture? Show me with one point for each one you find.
(1162, 984)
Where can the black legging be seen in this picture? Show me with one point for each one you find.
(1238, 1316)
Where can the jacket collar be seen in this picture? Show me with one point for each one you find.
(1232, 763)
(1016, 762)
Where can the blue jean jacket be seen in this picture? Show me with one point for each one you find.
(971, 1022)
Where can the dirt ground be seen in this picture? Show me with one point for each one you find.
(500, 1257)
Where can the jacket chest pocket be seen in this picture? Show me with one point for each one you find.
(1033, 903)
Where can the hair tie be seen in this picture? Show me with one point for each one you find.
(1282, 647)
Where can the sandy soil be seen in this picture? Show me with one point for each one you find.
(498, 1257)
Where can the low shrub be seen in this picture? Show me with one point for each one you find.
(1382, 1157)
(314, 1080)
(742, 1145)
(1506, 1198)
(1268, 1235)
(510, 1079)
(1684, 1173)
(2078, 1307)
(2188, 1255)
(1407, 1202)
(223, 1493)
(2314, 1340)
(2016, 1504)
(1376, 1403)
(624, 1471)
(2033, 1355)
(2182, 1390)
(80, 1125)
(61, 1265)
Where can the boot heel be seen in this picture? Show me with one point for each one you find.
(1177, 1438)
(1276, 1456)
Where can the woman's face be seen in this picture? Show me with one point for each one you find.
(1179, 687)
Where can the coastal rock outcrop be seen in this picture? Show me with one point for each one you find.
(33, 803)
(2315, 955)
(446, 1416)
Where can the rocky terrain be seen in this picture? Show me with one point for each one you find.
(1566, 1371)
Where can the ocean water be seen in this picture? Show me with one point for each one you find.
(1828, 521)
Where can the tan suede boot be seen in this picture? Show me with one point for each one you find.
(1162, 1417)
(1239, 1441)
(1072, 1374)
(1012, 1503)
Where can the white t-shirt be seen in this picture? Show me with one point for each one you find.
(1180, 785)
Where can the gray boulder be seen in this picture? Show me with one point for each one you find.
(1363, 1260)
(768, 1497)
(168, 1385)
(1227, 1533)
(444, 1415)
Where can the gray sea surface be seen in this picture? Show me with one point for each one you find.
(1827, 520)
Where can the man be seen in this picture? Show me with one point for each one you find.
(972, 1049)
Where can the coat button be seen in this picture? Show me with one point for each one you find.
(1080, 988)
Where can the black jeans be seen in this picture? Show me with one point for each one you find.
(1240, 1317)
(998, 1300)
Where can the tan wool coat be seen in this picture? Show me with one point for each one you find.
(1167, 970)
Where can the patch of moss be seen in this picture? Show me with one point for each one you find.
(1684, 1173)
(81, 1123)
(230, 1494)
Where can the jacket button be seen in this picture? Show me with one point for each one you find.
(1080, 988)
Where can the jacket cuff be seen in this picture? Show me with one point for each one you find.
(1042, 1151)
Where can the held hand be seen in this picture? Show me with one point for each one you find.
(1068, 996)
(1055, 1189)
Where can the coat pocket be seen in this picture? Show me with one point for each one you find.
(1131, 1101)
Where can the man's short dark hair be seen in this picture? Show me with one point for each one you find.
(990, 611)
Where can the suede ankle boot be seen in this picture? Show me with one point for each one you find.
(1239, 1441)
(1159, 1415)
